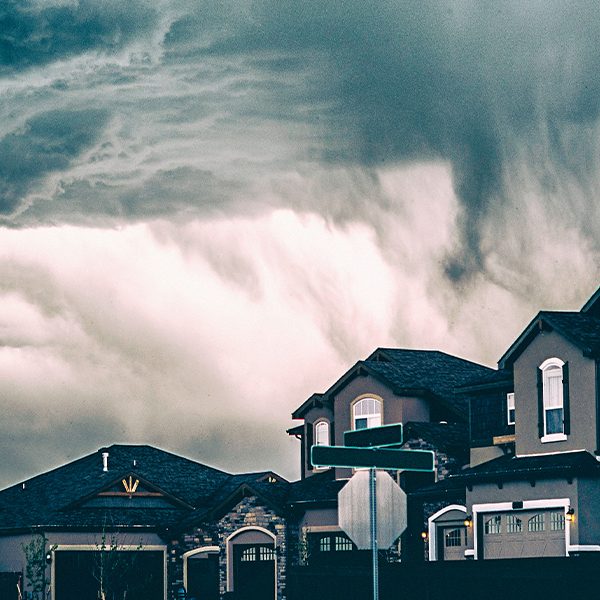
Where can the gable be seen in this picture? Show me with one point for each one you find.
(130, 491)
(580, 329)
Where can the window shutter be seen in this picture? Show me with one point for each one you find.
(332, 433)
(566, 404)
(540, 388)
(309, 443)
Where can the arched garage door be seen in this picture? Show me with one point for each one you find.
(522, 534)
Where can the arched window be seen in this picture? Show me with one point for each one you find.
(322, 433)
(366, 413)
(552, 383)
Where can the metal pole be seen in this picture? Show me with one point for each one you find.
(373, 511)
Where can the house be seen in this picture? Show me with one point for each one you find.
(533, 486)
(413, 387)
(126, 510)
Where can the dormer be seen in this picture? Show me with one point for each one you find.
(390, 386)
(556, 372)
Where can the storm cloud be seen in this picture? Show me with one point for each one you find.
(203, 204)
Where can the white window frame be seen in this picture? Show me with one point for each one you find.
(545, 367)
(510, 406)
(374, 419)
(507, 507)
(319, 425)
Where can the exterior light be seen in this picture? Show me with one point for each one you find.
(424, 535)
(570, 514)
(468, 521)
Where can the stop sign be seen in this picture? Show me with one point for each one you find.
(353, 510)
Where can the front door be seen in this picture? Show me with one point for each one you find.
(203, 576)
(254, 571)
(453, 542)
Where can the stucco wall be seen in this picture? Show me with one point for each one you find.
(581, 392)
(515, 491)
(587, 511)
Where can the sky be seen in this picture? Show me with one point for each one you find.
(211, 210)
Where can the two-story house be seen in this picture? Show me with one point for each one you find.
(413, 387)
(533, 488)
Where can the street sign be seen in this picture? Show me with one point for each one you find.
(384, 436)
(355, 520)
(355, 500)
(377, 458)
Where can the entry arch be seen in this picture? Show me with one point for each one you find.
(252, 535)
(204, 580)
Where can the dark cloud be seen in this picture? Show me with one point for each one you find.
(371, 84)
(469, 83)
(47, 143)
(33, 34)
(109, 201)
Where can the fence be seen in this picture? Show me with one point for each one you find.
(573, 578)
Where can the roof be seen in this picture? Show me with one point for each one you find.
(581, 329)
(592, 306)
(499, 378)
(446, 437)
(411, 372)
(61, 498)
(526, 467)
(320, 488)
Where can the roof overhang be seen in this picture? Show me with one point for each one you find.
(541, 322)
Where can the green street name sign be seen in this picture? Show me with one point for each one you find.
(375, 458)
(380, 437)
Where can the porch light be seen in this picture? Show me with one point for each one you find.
(424, 535)
(570, 515)
(468, 521)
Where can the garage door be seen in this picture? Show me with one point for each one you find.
(524, 533)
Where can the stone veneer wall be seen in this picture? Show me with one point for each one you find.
(249, 512)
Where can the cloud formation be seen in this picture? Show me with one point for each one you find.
(206, 206)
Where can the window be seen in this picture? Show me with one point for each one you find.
(553, 400)
(493, 525)
(325, 544)
(536, 523)
(366, 413)
(248, 555)
(266, 553)
(322, 433)
(454, 538)
(510, 408)
(557, 521)
(513, 524)
(342, 544)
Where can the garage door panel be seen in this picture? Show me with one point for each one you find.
(523, 534)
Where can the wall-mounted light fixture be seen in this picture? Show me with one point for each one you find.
(468, 521)
(424, 535)
(570, 514)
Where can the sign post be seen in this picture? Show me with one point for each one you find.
(373, 448)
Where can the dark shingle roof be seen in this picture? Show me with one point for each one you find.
(447, 437)
(321, 487)
(406, 371)
(431, 371)
(495, 378)
(581, 329)
(548, 465)
(51, 498)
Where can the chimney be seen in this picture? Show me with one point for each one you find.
(105, 461)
